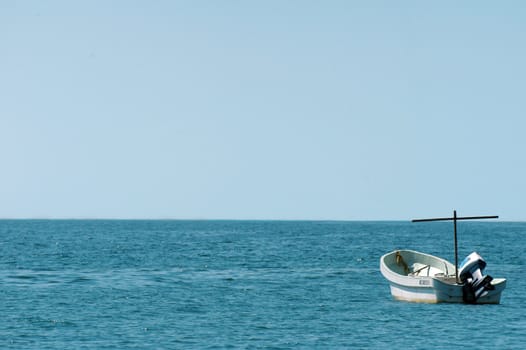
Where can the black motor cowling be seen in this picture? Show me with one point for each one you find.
(476, 285)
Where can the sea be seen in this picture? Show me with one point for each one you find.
(172, 284)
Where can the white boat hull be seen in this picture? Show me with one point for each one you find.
(438, 286)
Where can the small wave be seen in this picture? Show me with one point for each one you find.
(81, 279)
(22, 277)
(49, 322)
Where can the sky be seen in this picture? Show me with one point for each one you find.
(300, 110)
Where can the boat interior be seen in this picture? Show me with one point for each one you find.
(409, 263)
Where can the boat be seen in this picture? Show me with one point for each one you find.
(418, 277)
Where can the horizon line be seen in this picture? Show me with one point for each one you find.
(186, 219)
(213, 219)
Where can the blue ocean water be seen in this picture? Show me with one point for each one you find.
(101, 284)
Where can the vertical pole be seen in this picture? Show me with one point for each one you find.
(456, 246)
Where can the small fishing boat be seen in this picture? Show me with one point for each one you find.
(419, 277)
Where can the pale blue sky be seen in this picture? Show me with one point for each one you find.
(262, 109)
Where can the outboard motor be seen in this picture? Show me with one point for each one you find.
(476, 285)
